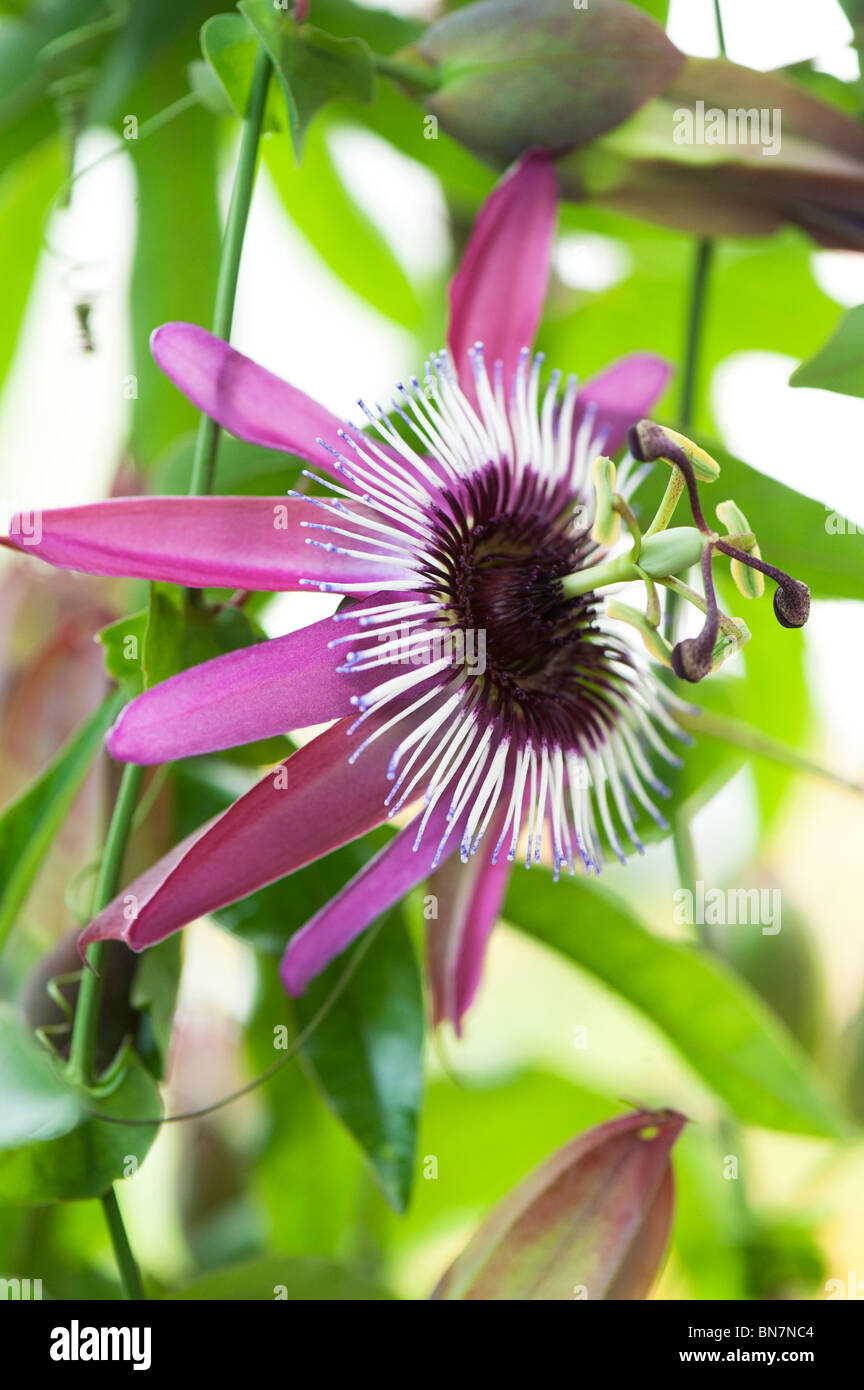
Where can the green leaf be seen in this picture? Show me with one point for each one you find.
(154, 993)
(839, 365)
(26, 191)
(230, 50)
(179, 634)
(795, 532)
(28, 825)
(725, 1033)
(340, 232)
(51, 1148)
(124, 642)
(367, 1054)
(210, 91)
(177, 251)
(247, 469)
(314, 67)
(278, 1277)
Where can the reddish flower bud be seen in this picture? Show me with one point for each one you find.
(591, 1222)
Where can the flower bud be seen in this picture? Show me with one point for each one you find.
(669, 552)
(516, 74)
(749, 582)
(591, 1222)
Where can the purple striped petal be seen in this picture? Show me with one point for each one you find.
(287, 683)
(393, 872)
(497, 294)
(311, 804)
(224, 542)
(469, 902)
(622, 394)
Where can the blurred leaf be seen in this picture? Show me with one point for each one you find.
(724, 1032)
(709, 1219)
(26, 192)
(124, 642)
(852, 1064)
(784, 970)
(382, 30)
(242, 469)
(839, 365)
(154, 994)
(210, 91)
(340, 232)
(230, 50)
(658, 9)
(180, 634)
(313, 66)
(367, 1054)
(29, 825)
(276, 1277)
(176, 254)
(752, 285)
(50, 1148)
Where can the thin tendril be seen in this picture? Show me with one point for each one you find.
(299, 1042)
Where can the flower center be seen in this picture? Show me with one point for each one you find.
(545, 658)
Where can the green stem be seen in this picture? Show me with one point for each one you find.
(207, 443)
(617, 571)
(130, 1275)
(721, 35)
(695, 324)
(762, 745)
(83, 1045)
(84, 1028)
(425, 79)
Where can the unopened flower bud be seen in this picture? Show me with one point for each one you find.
(591, 1222)
(519, 74)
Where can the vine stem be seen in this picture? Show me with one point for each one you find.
(424, 79)
(85, 1024)
(207, 442)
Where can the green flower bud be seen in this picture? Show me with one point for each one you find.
(516, 74)
(749, 582)
(670, 552)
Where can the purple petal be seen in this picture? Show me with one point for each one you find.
(242, 397)
(623, 394)
(382, 882)
(226, 542)
(469, 901)
(497, 293)
(271, 688)
(311, 804)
